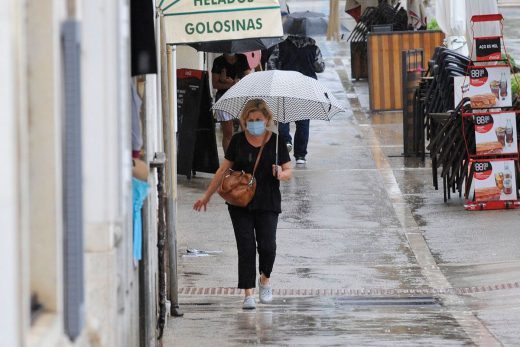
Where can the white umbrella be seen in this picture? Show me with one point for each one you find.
(451, 17)
(478, 7)
(290, 95)
(454, 19)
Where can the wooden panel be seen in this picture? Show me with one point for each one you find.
(384, 63)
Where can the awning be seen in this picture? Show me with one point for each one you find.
(189, 21)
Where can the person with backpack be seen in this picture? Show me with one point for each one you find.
(297, 53)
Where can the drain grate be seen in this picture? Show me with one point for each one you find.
(376, 292)
(389, 301)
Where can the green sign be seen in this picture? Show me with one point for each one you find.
(189, 21)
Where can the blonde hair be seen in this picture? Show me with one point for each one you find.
(255, 105)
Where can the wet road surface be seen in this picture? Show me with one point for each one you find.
(326, 321)
(368, 253)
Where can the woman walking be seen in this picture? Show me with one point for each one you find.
(255, 225)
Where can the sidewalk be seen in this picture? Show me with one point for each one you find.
(368, 253)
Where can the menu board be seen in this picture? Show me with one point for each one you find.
(196, 139)
(488, 48)
(494, 180)
(496, 133)
(486, 86)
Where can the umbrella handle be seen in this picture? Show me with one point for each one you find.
(277, 136)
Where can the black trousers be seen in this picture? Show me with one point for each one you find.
(254, 230)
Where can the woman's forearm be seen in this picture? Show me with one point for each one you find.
(213, 185)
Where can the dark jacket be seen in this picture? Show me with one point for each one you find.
(297, 53)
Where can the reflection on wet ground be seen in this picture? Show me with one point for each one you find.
(321, 321)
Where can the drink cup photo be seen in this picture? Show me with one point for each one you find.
(499, 180)
(501, 135)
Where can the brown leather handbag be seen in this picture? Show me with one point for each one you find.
(238, 187)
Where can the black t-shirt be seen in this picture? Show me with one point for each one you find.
(236, 70)
(243, 155)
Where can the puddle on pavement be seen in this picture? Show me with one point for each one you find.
(303, 272)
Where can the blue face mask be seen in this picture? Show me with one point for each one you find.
(256, 128)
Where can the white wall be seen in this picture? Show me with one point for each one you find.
(11, 323)
(189, 58)
(45, 113)
(111, 282)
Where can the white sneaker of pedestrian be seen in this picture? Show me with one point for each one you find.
(289, 147)
(301, 161)
(265, 293)
(249, 303)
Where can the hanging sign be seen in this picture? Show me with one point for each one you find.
(487, 87)
(495, 133)
(494, 180)
(488, 48)
(190, 21)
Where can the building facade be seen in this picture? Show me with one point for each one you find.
(58, 56)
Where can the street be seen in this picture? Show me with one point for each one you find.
(367, 251)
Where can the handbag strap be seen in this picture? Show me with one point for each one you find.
(260, 153)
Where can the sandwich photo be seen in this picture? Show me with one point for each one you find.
(487, 194)
(492, 147)
(483, 100)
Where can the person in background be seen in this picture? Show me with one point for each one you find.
(255, 225)
(266, 53)
(227, 70)
(297, 53)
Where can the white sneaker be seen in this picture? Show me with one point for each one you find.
(249, 303)
(265, 293)
(301, 161)
(289, 147)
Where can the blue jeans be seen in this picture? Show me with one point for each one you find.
(301, 136)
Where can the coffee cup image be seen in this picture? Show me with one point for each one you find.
(494, 86)
(501, 135)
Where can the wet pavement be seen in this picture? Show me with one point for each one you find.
(368, 253)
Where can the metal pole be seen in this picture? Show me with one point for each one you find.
(170, 151)
(172, 172)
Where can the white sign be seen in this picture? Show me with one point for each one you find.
(495, 133)
(494, 180)
(189, 21)
(486, 86)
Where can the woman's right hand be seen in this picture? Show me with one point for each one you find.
(201, 203)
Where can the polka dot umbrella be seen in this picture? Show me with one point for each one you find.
(290, 95)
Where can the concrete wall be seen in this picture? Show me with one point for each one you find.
(31, 204)
(45, 149)
(12, 320)
(111, 278)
